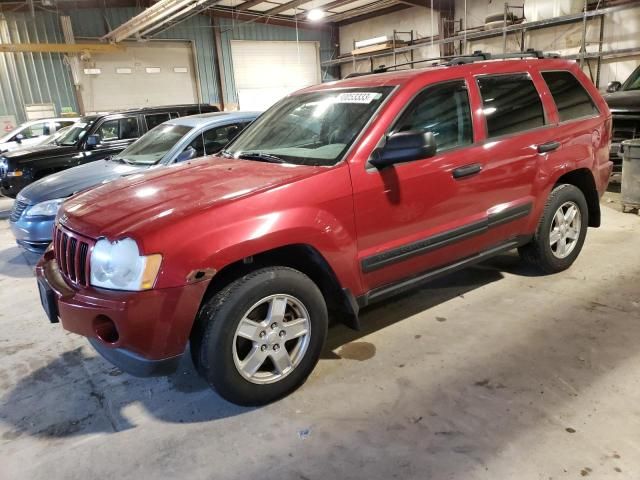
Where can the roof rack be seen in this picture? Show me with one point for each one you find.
(452, 60)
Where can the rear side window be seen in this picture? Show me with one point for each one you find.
(510, 104)
(119, 129)
(443, 110)
(571, 98)
(153, 120)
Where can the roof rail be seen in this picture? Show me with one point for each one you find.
(477, 56)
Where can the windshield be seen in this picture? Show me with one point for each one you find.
(153, 145)
(633, 82)
(315, 128)
(75, 133)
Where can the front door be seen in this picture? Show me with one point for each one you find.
(415, 216)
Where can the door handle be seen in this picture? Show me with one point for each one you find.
(466, 171)
(548, 147)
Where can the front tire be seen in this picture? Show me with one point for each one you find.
(261, 336)
(561, 231)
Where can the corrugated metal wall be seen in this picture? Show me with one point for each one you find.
(242, 30)
(28, 78)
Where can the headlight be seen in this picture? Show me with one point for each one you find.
(119, 266)
(15, 173)
(45, 209)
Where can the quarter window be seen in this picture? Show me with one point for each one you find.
(572, 100)
(443, 110)
(510, 104)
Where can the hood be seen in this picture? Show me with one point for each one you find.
(162, 196)
(69, 182)
(624, 101)
(38, 152)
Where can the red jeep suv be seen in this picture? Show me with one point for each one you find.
(340, 195)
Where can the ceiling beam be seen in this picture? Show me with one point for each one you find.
(367, 15)
(249, 4)
(260, 17)
(60, 47)
(285, 6)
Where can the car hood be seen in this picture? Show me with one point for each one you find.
(156, 198)
(29, 154)
(69, 182)
(624, 101)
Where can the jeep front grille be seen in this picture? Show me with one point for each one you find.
(17, 210)
(72, 254)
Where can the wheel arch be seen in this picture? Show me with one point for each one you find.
(302, 257)
(582, 178)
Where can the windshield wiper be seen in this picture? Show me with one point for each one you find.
(260, 157)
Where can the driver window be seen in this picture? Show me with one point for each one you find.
(444, 110)
(198, 145)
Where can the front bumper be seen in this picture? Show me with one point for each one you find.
(11, 186)
(142, 333)
(33, 234)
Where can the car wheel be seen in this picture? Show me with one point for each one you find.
(262, 335)
(561, 231)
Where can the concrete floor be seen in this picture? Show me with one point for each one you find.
(494, 373)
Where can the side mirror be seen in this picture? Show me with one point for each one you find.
(613, 87)
(187, 154)
(18, 138)
(93, 141)
(403, 147)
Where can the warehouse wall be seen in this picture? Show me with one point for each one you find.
(29, 78)
(620, 31)
(417, 19)
(239, 30)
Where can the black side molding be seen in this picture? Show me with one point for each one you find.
(443, 239)
(386, 291)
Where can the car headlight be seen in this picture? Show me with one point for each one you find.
(45, 209)
(119, 266)
(15, 173)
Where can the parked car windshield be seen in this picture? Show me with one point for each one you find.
(76, 132)
(153, 145)
(633, 82)
(315, 128)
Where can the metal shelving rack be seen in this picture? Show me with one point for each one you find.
(583, 55)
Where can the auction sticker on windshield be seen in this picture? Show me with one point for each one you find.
(358, 97)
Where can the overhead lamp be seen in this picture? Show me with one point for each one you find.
(315, 14)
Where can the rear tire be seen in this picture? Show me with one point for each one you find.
(561, 231)
(261, 336)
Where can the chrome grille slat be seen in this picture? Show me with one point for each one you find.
(72, 254)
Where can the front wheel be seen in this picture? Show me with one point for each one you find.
(561, 231)
(261, 336)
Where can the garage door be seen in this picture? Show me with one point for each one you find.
(149, 74)
(266, 71)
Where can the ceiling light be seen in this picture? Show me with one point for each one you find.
(315, 14)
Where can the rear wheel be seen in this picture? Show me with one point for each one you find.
(561, 231)
(261, 336)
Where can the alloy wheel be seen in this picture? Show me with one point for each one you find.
(565, 230)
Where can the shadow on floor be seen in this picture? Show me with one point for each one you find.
(17, 263)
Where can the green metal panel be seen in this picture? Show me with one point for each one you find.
(28, 78)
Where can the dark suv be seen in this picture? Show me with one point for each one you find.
(340, 195)
(624, 102)
(93, 138)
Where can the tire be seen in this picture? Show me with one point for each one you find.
(242, 325)
(541, 252)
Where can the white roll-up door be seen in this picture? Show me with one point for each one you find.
(144, 75)
(266, 71)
